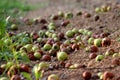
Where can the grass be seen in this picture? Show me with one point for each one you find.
(2, 28)
(16, 7)
(11, 4)
(8, 53)
(12, 7)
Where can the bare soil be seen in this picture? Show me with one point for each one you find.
(108, 20)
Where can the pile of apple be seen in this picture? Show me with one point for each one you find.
(47, 44)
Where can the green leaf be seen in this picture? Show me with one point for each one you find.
(2, 27)
(37, 72)
(24, 58)
(27, 75)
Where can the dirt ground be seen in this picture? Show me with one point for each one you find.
(49, 7)
(109, 21)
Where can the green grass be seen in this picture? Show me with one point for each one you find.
(13, 7)
(11, 4)
(2, 28)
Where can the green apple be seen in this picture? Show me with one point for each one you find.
(75, 31)
(37, 55)
(41, 33)
(98, 42)
(67, 42)
(51, 26)
(68, 15)
(61, 14)
(109, 52)
(39, 40)
(14, 27)
(54, 35)
(91, 40)
(85, 32)
(53, 77)
(69, 33)
(89, 33)
(115, 55)
(61, 56)
(74, 66)
(28, 47)
(100, 75)
(97, 9)
(3, 66)
(99, 57)
(35, 48)
(56, 39)
(47, 47)
(81, 31)
(55, 47)
(43, 65)
(4, 78)
(78, 38)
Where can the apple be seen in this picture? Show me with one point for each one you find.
(53, 77)
(98, 42)
(61, 56)
(47, 47)
(37, 55)
(69, 33)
